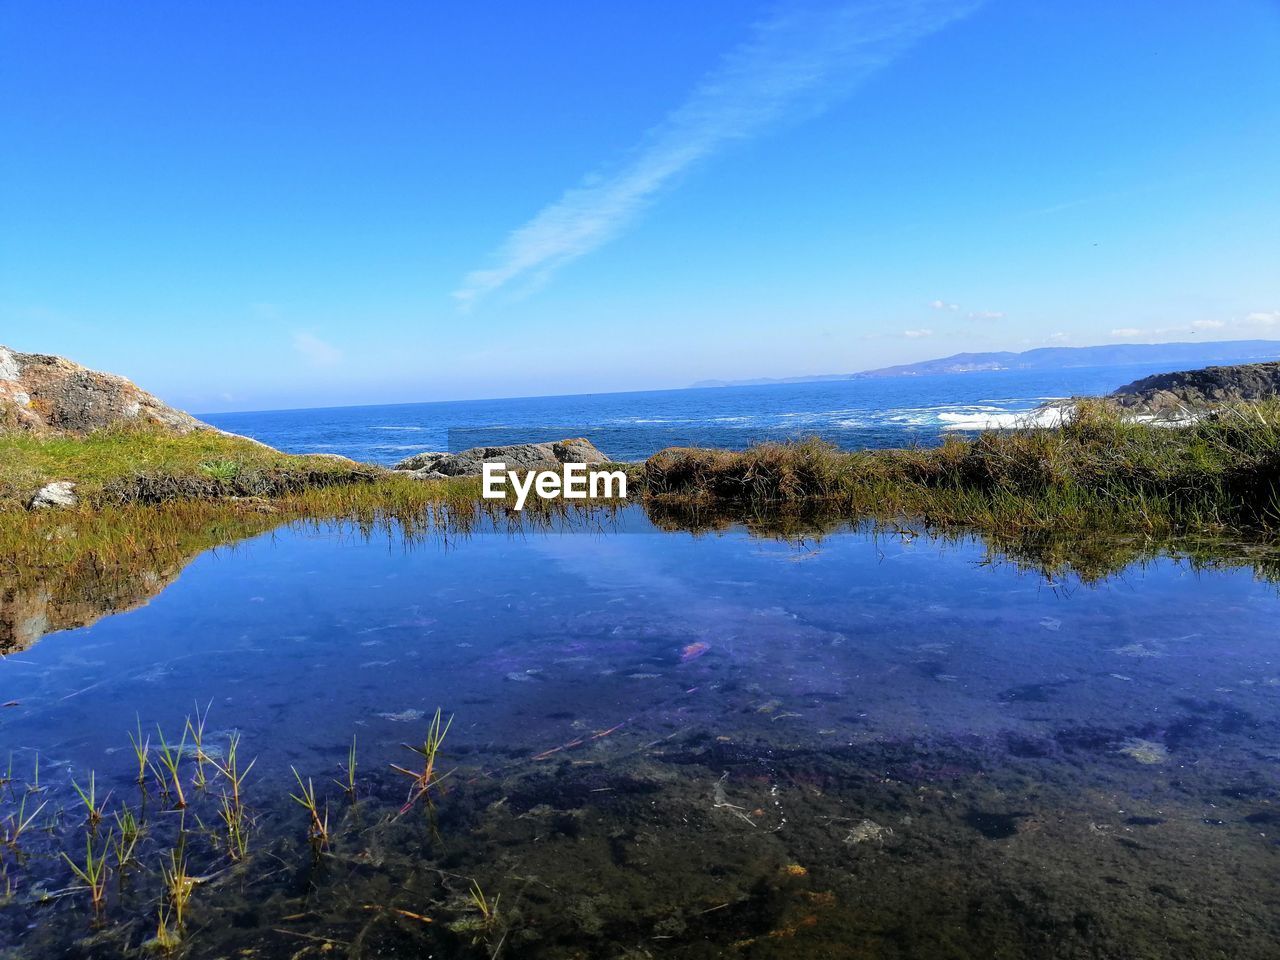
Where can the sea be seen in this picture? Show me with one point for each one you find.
(882, 412)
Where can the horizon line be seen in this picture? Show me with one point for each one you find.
(757, 382)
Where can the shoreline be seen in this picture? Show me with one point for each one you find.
(1091, 449)
(1087, 497)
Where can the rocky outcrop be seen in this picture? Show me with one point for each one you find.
(1173, 394)
(41, 393)
(517, 456)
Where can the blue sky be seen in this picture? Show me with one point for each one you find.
(246, 205)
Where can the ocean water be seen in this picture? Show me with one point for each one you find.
(632, 426)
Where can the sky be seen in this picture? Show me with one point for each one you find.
(255, 206)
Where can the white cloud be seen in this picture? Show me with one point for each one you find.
(986, 315)
(315, 351)
(917, 334)
(943, 305)
(793, 67)
(1058, 337)
(1247, 324)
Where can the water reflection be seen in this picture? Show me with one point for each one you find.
(864, 742)
(37, 600)
(27, 614)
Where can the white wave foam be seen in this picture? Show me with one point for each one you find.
(985, 419)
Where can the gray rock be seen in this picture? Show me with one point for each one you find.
(61, 493)
(421, 461)
(1198, 390)
(517, 456)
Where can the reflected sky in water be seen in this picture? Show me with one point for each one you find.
(837, 682)
(302, 635)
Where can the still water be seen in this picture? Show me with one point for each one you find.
(666, 745)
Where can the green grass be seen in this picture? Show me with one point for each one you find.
(89, 799)
(422, 781)
(1099, 468)
(128, 465)
(93, 872)
(318, 823)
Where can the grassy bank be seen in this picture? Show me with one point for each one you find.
(139, 465)
(1098, 469)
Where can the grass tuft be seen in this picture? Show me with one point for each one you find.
(169, 773)
(92, 873)
(318, 825)
(89, 799)
(423, 780)
(348, 781)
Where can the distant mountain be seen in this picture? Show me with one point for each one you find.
(1054, 358)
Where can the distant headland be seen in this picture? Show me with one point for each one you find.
(1052, 358)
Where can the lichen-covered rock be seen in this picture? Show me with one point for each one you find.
(59, 494)
(517, 456)
(577, 450)
(42, 393)
(421, 461)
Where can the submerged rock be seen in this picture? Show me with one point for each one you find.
(403, 716)
(517, 456)
(41, 393)
(694, 650)
(868, 831)
(1144, 751)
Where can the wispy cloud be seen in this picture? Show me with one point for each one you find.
(1251, 323)
(917, 334)
(793, 67)
(972, 314)
(317, 352)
